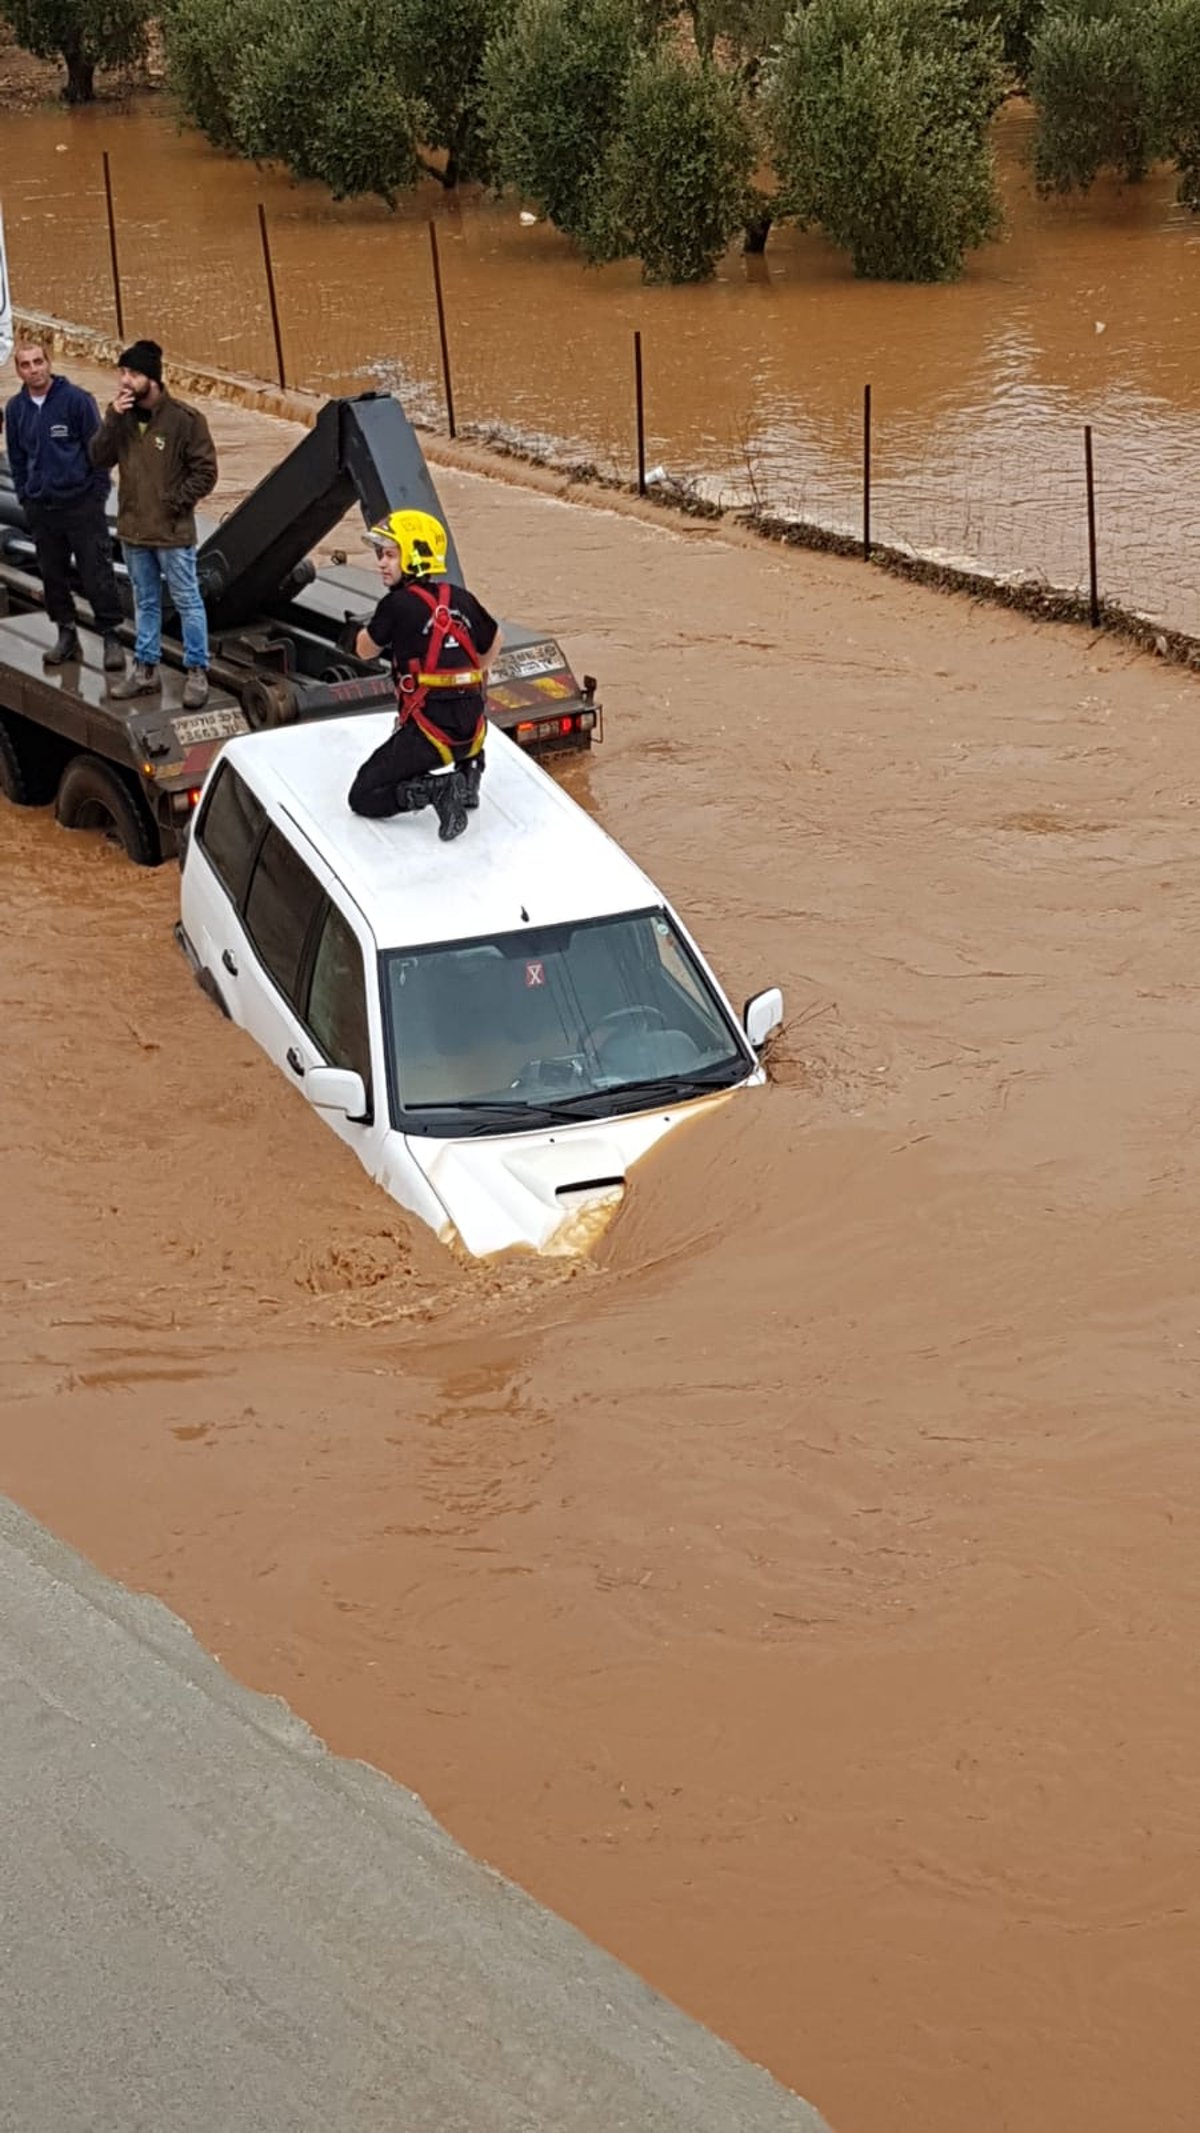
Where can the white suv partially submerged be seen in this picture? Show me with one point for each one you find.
(497, 1027)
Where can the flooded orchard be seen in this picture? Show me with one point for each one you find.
(802, 1594)
(1085, 312)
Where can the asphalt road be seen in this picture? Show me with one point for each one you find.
(208, 1924)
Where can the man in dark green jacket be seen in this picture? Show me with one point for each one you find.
(166, 463)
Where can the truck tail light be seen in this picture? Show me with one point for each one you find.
(531, 730)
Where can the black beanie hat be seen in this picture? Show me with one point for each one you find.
(145, 357)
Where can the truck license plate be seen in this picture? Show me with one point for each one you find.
(527, 660)
(208, 726)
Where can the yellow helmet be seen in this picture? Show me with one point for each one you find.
(420, 538)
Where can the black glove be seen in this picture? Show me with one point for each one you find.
(348, 634)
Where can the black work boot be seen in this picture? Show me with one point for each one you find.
(413, 795)
(195, 689)
(65, 650)
(141, 681)
(449, 798)
(472, 773)
(114, 653)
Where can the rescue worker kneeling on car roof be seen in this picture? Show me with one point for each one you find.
(441, 642)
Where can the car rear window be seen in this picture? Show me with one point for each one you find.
(280, 907)
(228, 830)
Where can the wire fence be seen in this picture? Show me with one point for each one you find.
(951, 499)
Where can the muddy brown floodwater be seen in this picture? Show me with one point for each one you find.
(1087, 311)
(802, 1595)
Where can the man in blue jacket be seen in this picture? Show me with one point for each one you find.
(47, 428)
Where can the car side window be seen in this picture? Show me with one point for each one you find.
(228, 830)
(280, 907)
(337, 997)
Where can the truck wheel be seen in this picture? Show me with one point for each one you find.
(30, 762)
(94, 795)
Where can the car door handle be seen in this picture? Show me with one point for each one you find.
(294, 1060)
(229, 962)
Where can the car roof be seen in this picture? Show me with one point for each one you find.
(529, 855)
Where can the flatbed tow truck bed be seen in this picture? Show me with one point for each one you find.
(59, 698)
(279, 631)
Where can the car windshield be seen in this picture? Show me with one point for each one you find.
(553, 1023)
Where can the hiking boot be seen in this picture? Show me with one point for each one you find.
(140, 681)
(65, 650)
(195, 689)
(449, 798)
(472, 776)
(114, 653)
(413, 795)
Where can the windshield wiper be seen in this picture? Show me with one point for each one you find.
(501, 1107)
(594, 1103)
(677, 1086)
(723, 1075)
(469, 1103)
(534, 1113)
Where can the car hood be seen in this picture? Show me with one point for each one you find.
(553, 1190)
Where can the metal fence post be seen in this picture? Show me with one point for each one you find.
(866, 503)
(441, 312)
(271, 297)
(640, 403)
(112, 246)
(1093, 575)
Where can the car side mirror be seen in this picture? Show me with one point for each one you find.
(337, 1089)
(762, 1016)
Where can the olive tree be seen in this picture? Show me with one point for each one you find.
(84, 34)
(1177, 92)
(439, 53)
(744, 34)
(227, 69)
(879, 112)
(1017, 22)
(555, 78)
(745, 30)
(681, 165)
(206, 43)
(326, 94)
(1092, 81)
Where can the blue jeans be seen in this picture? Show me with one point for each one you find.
(147, 569)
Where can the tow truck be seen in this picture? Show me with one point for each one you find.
(281, 632)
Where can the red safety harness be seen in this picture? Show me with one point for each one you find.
(414, 686)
